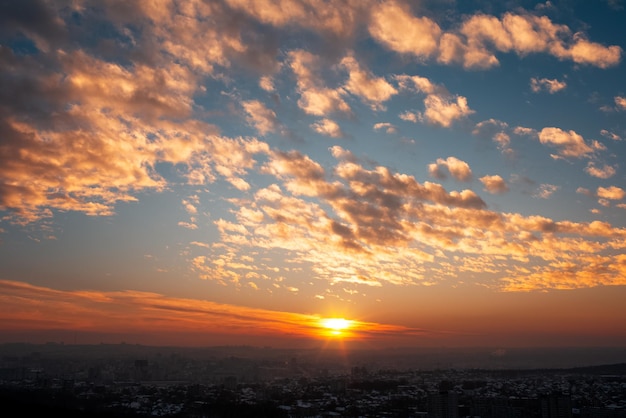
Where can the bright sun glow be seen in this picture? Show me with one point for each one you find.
(336, 326)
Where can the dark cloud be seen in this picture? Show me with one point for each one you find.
(33, 18)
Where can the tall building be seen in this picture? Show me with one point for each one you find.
(556, 405)
(444, 404)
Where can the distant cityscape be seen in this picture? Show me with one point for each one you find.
(241, 381)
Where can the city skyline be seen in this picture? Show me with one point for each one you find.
(300, 172)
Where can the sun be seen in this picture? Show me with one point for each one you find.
(336, 326)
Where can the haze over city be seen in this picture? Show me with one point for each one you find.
(304, 173)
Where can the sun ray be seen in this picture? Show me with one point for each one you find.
(336, 327)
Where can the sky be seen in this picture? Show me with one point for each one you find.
(434, 173)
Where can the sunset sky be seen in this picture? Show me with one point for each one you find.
(437, 173)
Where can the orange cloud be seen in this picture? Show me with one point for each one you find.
(496, 131)
(611, 135)
(139, 312)
(315, 98)
(373, 90)
(598, 271)
(569, 144)
(440, 107)
(583, 51)
(393, 25)
(604, 172)
(551, 86)
(480, 36)
(494, 184)
(443, 111)
(336, 17)
(372, 227)
(27, 307)
(328, 127)
(267, 84)
(459, 169)
(524, 34)
(90, 132)
(386, 126)
(545, 190)
(611, 193)
(258, 115)
(104, 130)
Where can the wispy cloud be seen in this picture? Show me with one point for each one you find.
(260, 117)
(604, 172)
(545, 191)
(134, 313)
(386, 126)
(550, 85)
(315, 97)
(440, 107)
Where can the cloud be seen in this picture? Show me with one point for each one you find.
(582, 51)
(188, 225)
(325, 17)
(496, 131)
(386, 126)
(480, 36)
(474, 45)
(611, 193)
(83, 133)
(373, 90)
(523, 34)
(440, 107)
(315, 98)
(604, 195)
(545, 191)
(604, 172)
(190, 204)
(458, 169)
(201, 37)
(368, 216)
(125, 311)
(620, 102)
(551, 86)
(145, 316)
(599, 271)
(267, 84)
(329, 128)
(494, 184)
(420, 84)
(258, 115)
(444, 111)
(378, 227)
(611, 135)
(373, 223)
(35, 19)
(568, 143)
(393, 25)
(522, 130)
